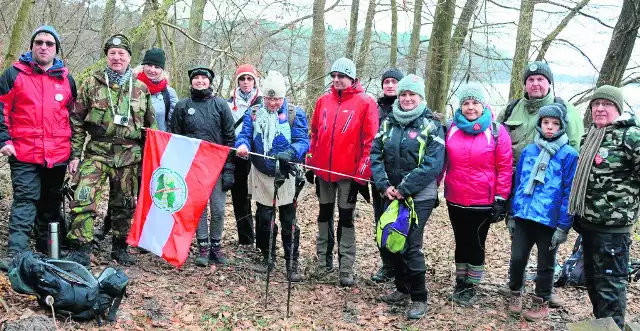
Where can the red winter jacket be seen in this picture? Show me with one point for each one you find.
(35, 111)
(342, 131)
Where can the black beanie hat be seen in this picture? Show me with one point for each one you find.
(538, 68)
(392, 73)
(201, 70)
(155, 56)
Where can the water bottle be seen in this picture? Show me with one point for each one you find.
(54, 248)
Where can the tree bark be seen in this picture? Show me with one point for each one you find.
(138, 46)
(436, 86)
(315, 68)
(353, 29)
(195, 30)
(365, 46)
(393, 57)
(107, 21)
(414, 44)
(546, 42)
(459, 35)
(20, 24)
(523, 42)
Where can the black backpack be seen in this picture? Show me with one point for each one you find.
(572, 272)
(76, 293)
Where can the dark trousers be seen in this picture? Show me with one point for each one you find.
(241, 202)
(290, 236)
(470, 229)
(37, 196)
(409, 266)
(378, 209)
(606, 261)
(528, 233)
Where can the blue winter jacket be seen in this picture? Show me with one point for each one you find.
(298, 141)
(549, 202)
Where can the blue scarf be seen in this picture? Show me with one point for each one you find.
(476, 126)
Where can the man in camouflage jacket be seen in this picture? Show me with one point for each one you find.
(112, 108)
(608, 180)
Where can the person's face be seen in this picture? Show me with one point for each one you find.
(603, 112)
(246, 83)
(273, 104)
(550, 125)
(44, 48)
(472, 109)
(152, 71)
(537, 86)
(409, 100)
(340, 81)
(200, 82)
(118, 59)
(390, 87)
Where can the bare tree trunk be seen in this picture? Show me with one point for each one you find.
(459, 34)
(316, 71)
(16, 32)
(353, 29)
(523, 41)
(414, 44)
(159, 43)
(546, 42)
(393, 57)
(438, 59)
(195, 30)
(365, 46)
(139, 45)
(107, 21)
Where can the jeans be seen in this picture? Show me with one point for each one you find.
(216, 207)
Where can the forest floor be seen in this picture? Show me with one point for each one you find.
(233, 297)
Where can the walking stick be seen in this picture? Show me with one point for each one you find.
(299, 183)
(271, 226)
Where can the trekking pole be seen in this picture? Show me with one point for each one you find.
(293, 236)
(271, 226)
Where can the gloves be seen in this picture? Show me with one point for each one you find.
(559, 237)
(284, 157)
(498, 210)
(227, 180)
(287, 169)
(299, 183)
(309, 175)
(358, 188)
(511, 225)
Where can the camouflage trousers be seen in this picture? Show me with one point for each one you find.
(123, 183)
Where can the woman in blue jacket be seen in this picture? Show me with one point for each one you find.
(542, 186)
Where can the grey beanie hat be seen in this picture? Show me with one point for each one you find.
(344, 66)
(538, 68)
(555, 110)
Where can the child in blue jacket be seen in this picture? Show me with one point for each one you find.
(542, 185)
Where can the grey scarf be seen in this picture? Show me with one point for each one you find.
(120, 79)
(266, 124)
(406, 117)
(547, 150)
(588, 152)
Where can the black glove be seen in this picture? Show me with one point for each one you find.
(310, 176)
(227, 180)
(299, 183)
(288, 169)
(358, 188)
(498, 211)
(284, 157)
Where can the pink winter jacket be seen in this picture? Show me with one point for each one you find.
(477, 170)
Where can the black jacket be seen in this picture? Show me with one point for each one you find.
(395, 154)
(385, 104)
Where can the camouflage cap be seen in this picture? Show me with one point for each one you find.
(117, 41)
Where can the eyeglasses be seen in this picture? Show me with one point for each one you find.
(604, 104)
(337, 75)
(41, 42)
(272, 99)
(245, 78)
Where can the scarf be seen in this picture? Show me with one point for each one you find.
(588, 152)
(201, 94)
(547, 150)
(154, 87)
(406, 117)
(118, 78)
(474, 127)
(266, 124)
(250, 97)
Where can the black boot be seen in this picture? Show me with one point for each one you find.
(383, 275)
(292, 272)
(266, 265)
(217, 255)
(80, 253)
(120, 252)
(467, 296)
(460, 285)
(203, 253)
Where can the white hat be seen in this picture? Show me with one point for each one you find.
(273, 85)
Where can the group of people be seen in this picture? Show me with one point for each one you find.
(526, 167)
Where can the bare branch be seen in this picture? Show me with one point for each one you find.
(292, 23)
(181, 30)
(546, 43)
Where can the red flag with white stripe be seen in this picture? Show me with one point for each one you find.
(178, 175)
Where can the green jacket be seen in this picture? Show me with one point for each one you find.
(613, 190)
(112, 144)
(523, 120)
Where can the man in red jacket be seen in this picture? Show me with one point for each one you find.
(344, 123)
(36, 93)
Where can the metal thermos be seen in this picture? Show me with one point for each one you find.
(54, 243)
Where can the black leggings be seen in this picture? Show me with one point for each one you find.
(470, 228)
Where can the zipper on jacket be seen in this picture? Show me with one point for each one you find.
(324, 119)
(333, 131)
(346, 125)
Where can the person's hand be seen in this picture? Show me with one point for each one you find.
(390, 193)
(498, 210)
(8, 150)
(72, 167)
(559, 237)
(356, 188)
(242, 151)
(284, 157)
(511, 225)
(227, 180)
(309, 175)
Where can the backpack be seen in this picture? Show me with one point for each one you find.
(167, 104)
(513, 103)
(76, 293)
(572, 272)
(394, 225)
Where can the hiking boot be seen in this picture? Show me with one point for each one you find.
(203, 256)
(504, 290)
(555, 301)
(418, 310)
(217, 255)
(467, 296)
(383, 275)
(292, 273)
(457, 290)
(120, 252)
(264, 266)
(395, 297)
(80, 255)
(515, 302)
(539, 309)
(346, 279)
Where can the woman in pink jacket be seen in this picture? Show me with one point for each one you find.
(477, 185)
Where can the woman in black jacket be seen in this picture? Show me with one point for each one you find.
(207, 117)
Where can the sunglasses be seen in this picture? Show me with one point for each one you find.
(245, 78)
(338, 75)
(41, 42)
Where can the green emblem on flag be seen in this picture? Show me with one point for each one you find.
(168, 190)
